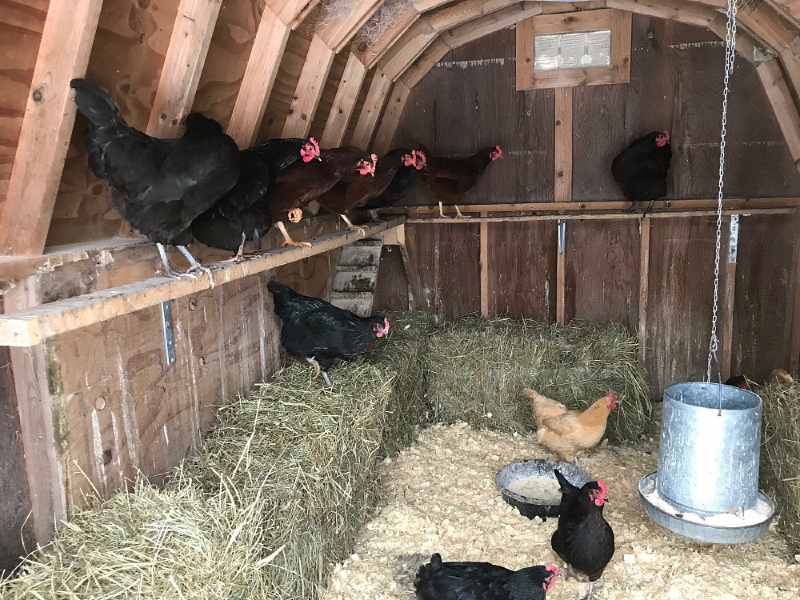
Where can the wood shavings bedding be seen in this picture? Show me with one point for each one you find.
(440, 497)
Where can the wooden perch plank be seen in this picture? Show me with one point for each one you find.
(427, 60)
(373, 104)
(259, 77)
(309, 89)
(337, 32)
(370, 54)
(675, 10)
(407, 49)
(292, 12)
(782, 103)
(391, 118)
(462, 12)
(183, 65)
(47, 126)
(32, 326)
(343, 103)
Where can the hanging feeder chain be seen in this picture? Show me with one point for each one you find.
(730, 56)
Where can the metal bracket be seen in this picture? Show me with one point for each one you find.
(562, 235)
(733, 243)
(169, 339)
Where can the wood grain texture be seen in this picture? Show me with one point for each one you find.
(764, 297)
(369, 53)
(446, 258)
(391, 289)
(563, 145)
(523, 270)
(309, 89)
(602, 272)
(371, 109)
(258, 78)
(344, 103)
(44, 136)
(329, 91)
(391, 118)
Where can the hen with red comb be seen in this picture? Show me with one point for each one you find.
(640, 170)
(583, 539)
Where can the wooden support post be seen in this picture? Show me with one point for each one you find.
(407, 49)
(391, 118)
(309, 89)
(373, 105)
(644, 281)
(484, 266)
(180, 75)
(259, 77)
(794, 356)
(67, 38)
(728, 299)
(397, 237)
(782, 103)
(37, 428)
(343, 103)
(563, 145)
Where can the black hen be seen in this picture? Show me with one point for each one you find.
(319, 332)
(439, 580)
(401, 183)
(243, 213)
(158, 185)
(583, 538)
(740, 381)
(641, 169)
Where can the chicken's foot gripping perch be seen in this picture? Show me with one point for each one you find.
(239, 256)
(287, 240)
(352, 227)
(195, 266)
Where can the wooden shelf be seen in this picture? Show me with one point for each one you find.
(30, 327)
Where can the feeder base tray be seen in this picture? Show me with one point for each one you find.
(691, 526)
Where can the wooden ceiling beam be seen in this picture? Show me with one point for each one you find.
(490, 23)
(420, 67)
(183, 64)
(391, 118)
(338, 31)
(292, 12)
(424, 5)
(370, 54)
(684, 12)
(462, 12)
(783, 105)
(371, 112)
(343, 103)
(64, 51)
(309, 89)
(259, 77)
(407, 49)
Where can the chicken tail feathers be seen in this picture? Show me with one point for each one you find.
(281, 296)
(95, 104)
(427, 571)
(566, 486)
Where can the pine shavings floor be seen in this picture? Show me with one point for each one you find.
(440, 497)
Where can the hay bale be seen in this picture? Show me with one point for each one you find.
(477, 369)
(172, 543)
(404, 352)
(780, 456)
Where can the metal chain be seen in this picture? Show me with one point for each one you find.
(730, 57)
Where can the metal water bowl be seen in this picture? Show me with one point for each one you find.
(532, 504)
(706, 486)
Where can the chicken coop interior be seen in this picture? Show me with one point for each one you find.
(504, 207)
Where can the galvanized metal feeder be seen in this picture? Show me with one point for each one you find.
(706, 485)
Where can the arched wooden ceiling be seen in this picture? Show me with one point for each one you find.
(393, 64)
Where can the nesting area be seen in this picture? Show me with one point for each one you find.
(439, 496)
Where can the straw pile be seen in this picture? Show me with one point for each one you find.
(780, 455)
(477, 369)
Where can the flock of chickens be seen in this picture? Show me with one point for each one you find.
(202, 187)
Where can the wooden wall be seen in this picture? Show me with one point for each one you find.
(468, 101)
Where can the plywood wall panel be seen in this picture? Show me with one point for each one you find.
(602, 271)
(764, 302)
(522, 269)
(446, 261)
(391, 289)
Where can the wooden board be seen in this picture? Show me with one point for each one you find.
(679, 304)
(309, 89)
(370, 112)
(764, 300)
(21, 25)
(328, 97)
(390, 119)
(446, 259)
(344, 103)
(522, 270)
(602, 271)
(391, 288)
(44, 136)
(122, 407)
